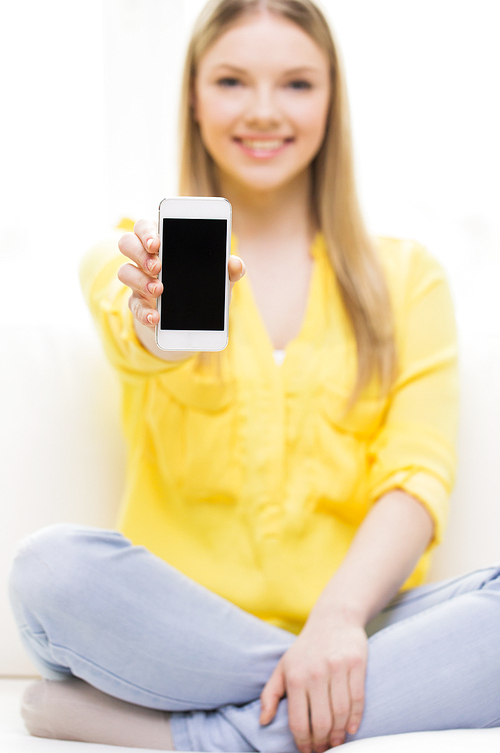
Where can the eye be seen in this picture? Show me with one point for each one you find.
(228, 82)
(299, 84)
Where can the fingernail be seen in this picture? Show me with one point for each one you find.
(151, 264)
(152, 287)
(148, 243)
(353, 729)
(150, 318)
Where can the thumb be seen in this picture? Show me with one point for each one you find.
(236, 269)
(273, 691)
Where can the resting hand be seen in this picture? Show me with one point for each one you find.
(142, 247)
(323, 677)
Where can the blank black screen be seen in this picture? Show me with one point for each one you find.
(193, 274)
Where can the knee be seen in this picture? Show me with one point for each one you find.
(55, 565)
(42, 544)
(37, 556)
(48, 564)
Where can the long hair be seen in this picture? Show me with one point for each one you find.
(334, 200)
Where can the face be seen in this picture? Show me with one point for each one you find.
(261, 99)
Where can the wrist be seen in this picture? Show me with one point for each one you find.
(338, 611)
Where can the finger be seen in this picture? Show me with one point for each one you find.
(147, 233)
(320, 713)
(142, 311)
(341, 706)
(131, 247)
(270, 697)
(298, 715)
(357, 690)
(147, 287)
(236, 268)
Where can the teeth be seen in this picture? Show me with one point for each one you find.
(263, 144)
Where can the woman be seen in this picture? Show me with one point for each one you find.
(279, 517)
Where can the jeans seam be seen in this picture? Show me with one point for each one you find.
(439, 587)
(404, 622)
(492, 725)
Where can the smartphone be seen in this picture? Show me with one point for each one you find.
(195, 244)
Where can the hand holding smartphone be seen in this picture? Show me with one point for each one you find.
(195, 245)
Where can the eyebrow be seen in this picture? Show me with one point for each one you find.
(291, 71)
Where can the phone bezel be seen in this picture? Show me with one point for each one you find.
(195, 207)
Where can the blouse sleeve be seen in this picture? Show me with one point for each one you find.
(415, 448)
(107, 299)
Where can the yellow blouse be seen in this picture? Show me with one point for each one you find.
(252, 480)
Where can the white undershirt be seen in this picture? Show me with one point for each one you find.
(279, 356)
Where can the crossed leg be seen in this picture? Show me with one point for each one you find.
(92, 606)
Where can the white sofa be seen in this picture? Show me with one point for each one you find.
(63, 458)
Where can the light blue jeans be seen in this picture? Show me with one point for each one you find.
(89, 603)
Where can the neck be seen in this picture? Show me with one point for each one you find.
(271, 218)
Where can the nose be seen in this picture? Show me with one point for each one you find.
(263, 110)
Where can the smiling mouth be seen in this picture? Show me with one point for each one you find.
(269, 145)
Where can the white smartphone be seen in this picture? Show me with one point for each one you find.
(195, 244)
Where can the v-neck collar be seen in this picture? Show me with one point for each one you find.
(310, 318)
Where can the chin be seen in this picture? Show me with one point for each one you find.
(263, 183)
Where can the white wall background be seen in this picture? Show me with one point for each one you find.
(89, 95)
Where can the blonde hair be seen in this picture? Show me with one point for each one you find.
(334, 200)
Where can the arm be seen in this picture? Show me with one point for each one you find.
(384, 552)
(326, 665)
